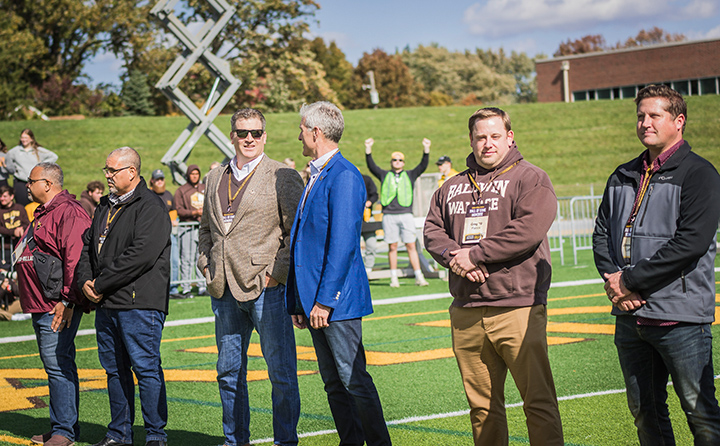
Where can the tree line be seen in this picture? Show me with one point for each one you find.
(45, 44)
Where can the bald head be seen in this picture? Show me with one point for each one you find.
(45, 181)
(122, 170)
(127, 156)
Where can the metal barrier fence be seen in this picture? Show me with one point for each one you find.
(184, 256)
(583, 211)
(575, 219)
(5, 254)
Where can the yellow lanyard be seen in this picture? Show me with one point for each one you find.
(492, 179)
(644, 184)
(110, 217)
(231, 197)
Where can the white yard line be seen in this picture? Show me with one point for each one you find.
(390, 301)
(455, 414)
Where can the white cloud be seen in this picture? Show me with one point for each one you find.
(713, 33)
(701, 8)
(499, 17)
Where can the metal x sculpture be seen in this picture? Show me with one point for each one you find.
(196, 50)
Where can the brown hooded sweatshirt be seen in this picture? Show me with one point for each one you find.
(521, 206)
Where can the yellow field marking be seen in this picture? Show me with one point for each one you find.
(560, 340)
(87, 349)
(579, 310)
(253, 349)
(15, 440)
(442, 323)
(575, 327)
(19, 398)
(576, 297)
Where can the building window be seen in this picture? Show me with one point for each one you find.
(605, 93)
(682, 87)
(579, 96)
(628, 92)
(687, 87)
(708, 86)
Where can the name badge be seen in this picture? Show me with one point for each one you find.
(227, 220)
(476, 223)
(626, 243)
(102, 237)
(19, 250)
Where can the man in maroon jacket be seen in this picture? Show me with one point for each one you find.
(57, 230)
(489, 225)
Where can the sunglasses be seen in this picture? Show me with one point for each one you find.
(398, 159)
(242, 133)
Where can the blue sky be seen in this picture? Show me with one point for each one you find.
(530, 26)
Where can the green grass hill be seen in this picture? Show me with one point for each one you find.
(578, 144)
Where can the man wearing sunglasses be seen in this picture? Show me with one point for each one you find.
(396, 197)
(244, 255)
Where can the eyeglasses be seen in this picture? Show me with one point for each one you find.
(30, 181)
(242, 133)
(398, 159)
(112, 172)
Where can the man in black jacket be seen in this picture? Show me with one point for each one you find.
(125, 269)
(654, 244)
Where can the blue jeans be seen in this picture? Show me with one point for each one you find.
(234, 323)
(131, 338)
(57, 352)
(351, 393)
(647, 356)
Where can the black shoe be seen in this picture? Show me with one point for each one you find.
(156, 443)
(178, 296)
(110, 442)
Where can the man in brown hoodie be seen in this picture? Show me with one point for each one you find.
(189, 199)
(489, 225)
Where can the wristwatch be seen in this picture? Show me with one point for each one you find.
(69, 305)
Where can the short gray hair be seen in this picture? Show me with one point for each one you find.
(128, 156)
(53, 172)
(326, 116)
(245, 114)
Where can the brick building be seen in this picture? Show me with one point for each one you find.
(691, 68)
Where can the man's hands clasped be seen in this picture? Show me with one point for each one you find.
(619, 295)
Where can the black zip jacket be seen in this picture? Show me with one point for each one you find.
(673, 238)
(132, 270)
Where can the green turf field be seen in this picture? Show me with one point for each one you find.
(408, 346)
(408, 343)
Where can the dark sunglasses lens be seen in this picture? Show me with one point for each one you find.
(244, 133)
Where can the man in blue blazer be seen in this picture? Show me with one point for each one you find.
(327, 287)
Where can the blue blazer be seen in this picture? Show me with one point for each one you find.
(325, 261)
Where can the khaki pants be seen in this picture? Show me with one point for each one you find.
(14, 308)
(488, 341)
